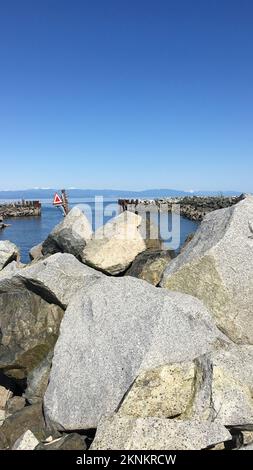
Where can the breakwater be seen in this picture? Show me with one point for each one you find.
(20, 209)
(192, 207)
(183, 323)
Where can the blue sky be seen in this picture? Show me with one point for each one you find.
(126, 94)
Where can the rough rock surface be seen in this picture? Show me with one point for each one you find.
(58, 277)
(37, 380)
(232, 385)
(5, 395)
(2, 416)
(150, 265)
(216, 387)
(247, 447)
(217, 268)
(8, 252)
(187, 241)
(29, 328)
(109, 334)
(115, 245)
(150, 232)
(10, 270)
(35, 252)
(15, 404)
(124, 433)
(27, 441)
(163, 392)
(17, 424)
(70, 236)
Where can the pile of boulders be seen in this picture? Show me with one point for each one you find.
(191, 207)
(107, 343)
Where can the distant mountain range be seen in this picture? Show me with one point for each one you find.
(31, 194)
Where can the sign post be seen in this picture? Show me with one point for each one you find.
(61, 201)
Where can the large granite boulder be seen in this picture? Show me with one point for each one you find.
(217, 268)
(165, 391)
(216, 387)
(126, 433)
(150, 265)
(29, 328)
(114, 246)
(70, 235)
(8, 252)
(110, 333)
(58, 277)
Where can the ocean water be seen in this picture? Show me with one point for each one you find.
(27, 232)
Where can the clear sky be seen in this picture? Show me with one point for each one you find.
(129, 94)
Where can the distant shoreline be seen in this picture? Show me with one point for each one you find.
(110, 193)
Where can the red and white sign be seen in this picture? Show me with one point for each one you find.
(57, 200)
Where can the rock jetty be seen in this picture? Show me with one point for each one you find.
(191, 207)
(109, 343)
(20, 209)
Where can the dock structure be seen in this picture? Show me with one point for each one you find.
(20, 209)
(191, 207)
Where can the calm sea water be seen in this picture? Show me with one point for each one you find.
(27, 232)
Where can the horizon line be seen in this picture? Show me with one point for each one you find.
(122, 190)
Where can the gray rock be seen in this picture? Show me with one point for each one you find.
(150, 232)
(232, 385)
(217, 267)
(187, 241)
(115, 245)
(15, 404)
(180, 389)
(124, 433)
(247, 447)
(50, 247)
(216, 387)
(5, 395)
(163, 392)
(247, 437)
(27, 441)
(10, 270)
(16, 425)
(70, 236)
(8, 252)
(150, 265)
(2, 416)
(35, 252)
(109, 334)
(58, 277)
(29, 328)
(37, 380)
